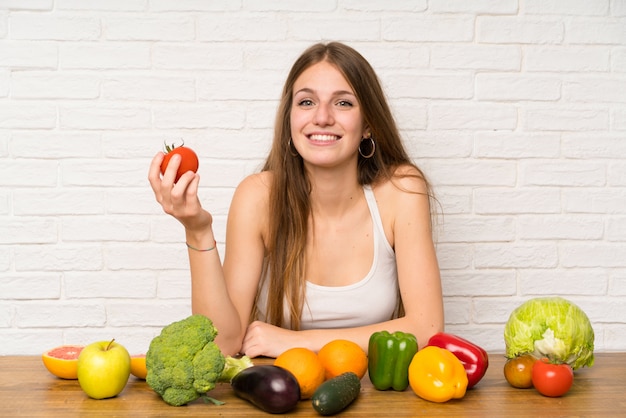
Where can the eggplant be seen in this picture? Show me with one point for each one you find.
(268, 387)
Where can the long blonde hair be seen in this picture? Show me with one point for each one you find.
(289, 207)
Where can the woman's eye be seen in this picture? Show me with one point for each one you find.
(305, 102)
(344, 103)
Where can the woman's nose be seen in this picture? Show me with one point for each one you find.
(323, 115)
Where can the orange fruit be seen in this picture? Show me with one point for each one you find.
(138, 366)
(340, 356)
(305, 366)
(62, 361)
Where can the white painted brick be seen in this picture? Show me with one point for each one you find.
(174, 284)
(161, 28)
(596, 89)
(493, 310)
(252, 85)
(148, 87)
(443, 144)
(110, 284)
(617, 174)
(112, 55)
(477, 173)
(454, 200)
(205, 57)
(231, 145)
(28, 231)
(103, 173)
(618, 119)
(618, 8)
(562, 173)
(52, 85)
(516, 255)
(567, 59)
(41, 5)
(5, 79)
(569, 282)
(58, 315)
(58, 258)
(617, 284)
(260, 115)
(502, 144)
(291, 5)
(595, 31)
(28, 116)
(27, 54)
(98, 116)
(30, 286)
(602, 310)
(567, 7)
(55, 144)
(476, 57)
(4, 203)
(327, 28)
(472, 116)
(519, 30)
(125, 314)
(454, 256)
(614, 337)
(592, 145)
(6, 257)
(560, 227)
(62, 27)
(39, 173)
(104, 228)
(479, 283)
(384, 5)
(6, 316)
(517, 201)
(387, 57)
(604, 200)
(566, 119)
(456, 311)
(418, 28)
(255, 27)
(205, 115)
(423, 86)
(492, 7)
(190, 5)
(142, 256)
(508, 87)
(143, 202)
(472, 229)
(109, 5)
(29, 341)
(618, 60)
(135, 339)
(616, 229)
(58, 202)
(593, 254)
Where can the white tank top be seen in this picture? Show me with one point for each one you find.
(371, 300)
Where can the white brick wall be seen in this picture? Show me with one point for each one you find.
(515, 108)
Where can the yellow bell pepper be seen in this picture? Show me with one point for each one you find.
(437, 375)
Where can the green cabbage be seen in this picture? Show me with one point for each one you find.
(550, 327)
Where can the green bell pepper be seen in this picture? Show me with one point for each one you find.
(389, 356)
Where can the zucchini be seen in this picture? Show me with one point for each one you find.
(334, 395)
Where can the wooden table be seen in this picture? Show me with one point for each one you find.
(27, 389)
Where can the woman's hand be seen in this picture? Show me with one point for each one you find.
(178, 199)
(263, 339)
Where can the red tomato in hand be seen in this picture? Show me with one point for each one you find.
(188, 162)
(518, 371)
(552, 379)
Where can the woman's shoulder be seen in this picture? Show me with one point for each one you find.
(254, 188)
(405, 180)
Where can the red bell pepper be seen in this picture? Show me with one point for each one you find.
(475, 360)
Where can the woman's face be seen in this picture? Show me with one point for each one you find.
(326, 121)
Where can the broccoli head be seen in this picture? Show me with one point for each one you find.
(184, 363)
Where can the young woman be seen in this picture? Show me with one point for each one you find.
(332, 239)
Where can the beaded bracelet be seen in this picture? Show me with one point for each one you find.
(202, 250)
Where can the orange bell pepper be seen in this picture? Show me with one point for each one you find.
(437, 375)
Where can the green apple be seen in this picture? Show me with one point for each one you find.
(103, 369)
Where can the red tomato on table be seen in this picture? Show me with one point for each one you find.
(552, 379)
(518, 371)
(189, 160)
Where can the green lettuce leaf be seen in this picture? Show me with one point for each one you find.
(550, 327)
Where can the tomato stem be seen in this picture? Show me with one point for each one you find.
(170, 148)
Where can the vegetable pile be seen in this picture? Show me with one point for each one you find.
(550, 327)
(184, 363)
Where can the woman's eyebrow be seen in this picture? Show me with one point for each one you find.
(336, 93)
